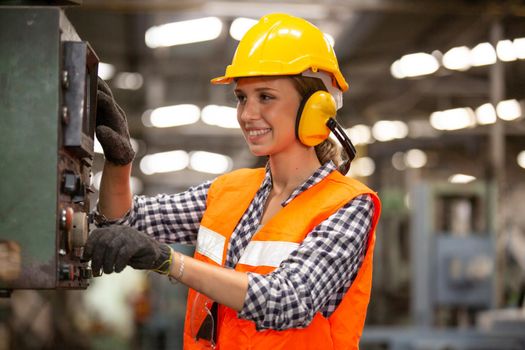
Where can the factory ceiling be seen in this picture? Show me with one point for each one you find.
(370, 35)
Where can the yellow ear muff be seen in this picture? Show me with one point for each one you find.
(312, 116)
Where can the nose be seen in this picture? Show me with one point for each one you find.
(248, 111)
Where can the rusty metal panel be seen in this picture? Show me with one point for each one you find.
(44, 183)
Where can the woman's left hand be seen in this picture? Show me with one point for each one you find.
(112, 248)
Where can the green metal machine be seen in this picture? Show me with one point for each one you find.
(48, 78)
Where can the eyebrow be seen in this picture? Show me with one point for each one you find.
(237, 90)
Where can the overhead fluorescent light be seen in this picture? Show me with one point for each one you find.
(240, 26)
(184, 32)
(208, 162)
(415, 158)
(508, 110)
(482, 54)
(453, 119)
(106, 70)
(223, 116)
(413, 65)
(387, 130)
(128, 81)
(505, 50)
(164, 162)
(362, 167)
(457, 58)
(519, 47)
(398, 161)
(461, 179)
(360, 134)
(486, 114)
(170, 116)
(521, 159)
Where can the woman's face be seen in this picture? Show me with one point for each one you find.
(266, 111)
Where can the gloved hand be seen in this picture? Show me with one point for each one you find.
(114, 247)
(112, 127)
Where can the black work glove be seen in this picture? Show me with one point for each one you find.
(114, 247)
(112, 127)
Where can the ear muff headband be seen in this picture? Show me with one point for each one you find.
(315, 120)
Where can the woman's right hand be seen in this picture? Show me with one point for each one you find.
(112, 127)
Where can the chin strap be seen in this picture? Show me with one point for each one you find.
(345, 141)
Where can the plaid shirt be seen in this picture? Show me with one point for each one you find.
(315, 276)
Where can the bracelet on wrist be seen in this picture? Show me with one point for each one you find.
(176, 279)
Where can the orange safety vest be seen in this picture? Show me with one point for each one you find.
(228, 198)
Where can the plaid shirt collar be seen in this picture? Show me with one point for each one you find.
(322, 172)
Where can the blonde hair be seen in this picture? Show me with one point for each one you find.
(328, 149)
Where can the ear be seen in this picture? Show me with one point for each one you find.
(312, 116)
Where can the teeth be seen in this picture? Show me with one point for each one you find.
(258, 132)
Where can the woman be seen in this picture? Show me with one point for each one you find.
(284, 253)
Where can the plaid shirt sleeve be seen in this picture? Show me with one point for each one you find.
(169, 218)
(316, 275)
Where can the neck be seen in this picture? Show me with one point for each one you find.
(288, 172)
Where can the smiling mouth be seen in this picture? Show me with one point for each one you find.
(258, 132)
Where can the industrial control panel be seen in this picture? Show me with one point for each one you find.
(48, 85)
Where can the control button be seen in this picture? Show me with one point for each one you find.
(66, 272)
(69, 183)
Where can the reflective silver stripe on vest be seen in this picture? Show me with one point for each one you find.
(267, 253)
(210, 244)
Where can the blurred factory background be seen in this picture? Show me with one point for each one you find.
(435, 107)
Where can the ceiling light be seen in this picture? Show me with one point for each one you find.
(164, 162)
(184, 32)
(398, 161)
(240, 26)
(223, 116)
(483, 54)
(413, 65)
(486, 114)
(169, 116)
(461, 179)
(360, 134)
(415, 158)
(505, 50)
(208, 162)
(457, 58)
(106, 70)
(387, 130)
(395, 70)
(521, 159)
(362, 167)
(508, 110)
(453, 119)
(519, 47)
(128, 81)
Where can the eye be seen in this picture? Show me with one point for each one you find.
(240, 98)
(265, 97)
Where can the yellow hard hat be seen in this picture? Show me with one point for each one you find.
(281, 44)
